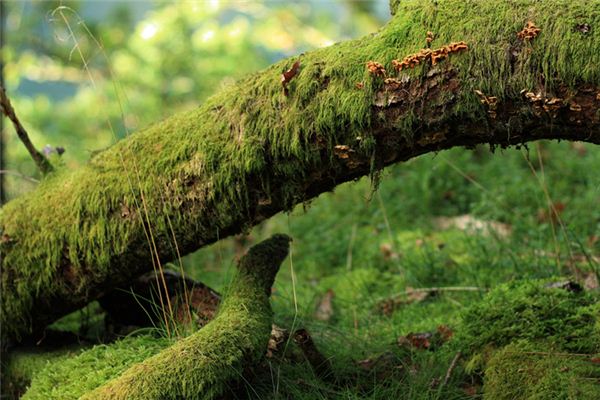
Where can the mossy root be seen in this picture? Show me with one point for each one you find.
(203, 364)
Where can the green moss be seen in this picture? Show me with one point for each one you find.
(71, 377)
(198, 171)
(198, 366)
(532, 341)
(529, 310)
(535, 370)
(20, 366)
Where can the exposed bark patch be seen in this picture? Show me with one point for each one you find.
(584, 28)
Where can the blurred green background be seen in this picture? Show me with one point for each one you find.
(82, 74)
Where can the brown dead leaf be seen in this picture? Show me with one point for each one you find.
(445, 332)
(416, 296)
(383, 366)
(324, 310)
(579, 148)
(546, 215)
(591, 281)
(288, 75)
(278, 337)
(470, 390)
(387, 251)
(410, 296)
(417, 340)
(427, 340)
(5, 239)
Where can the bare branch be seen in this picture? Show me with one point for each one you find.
(7, 109)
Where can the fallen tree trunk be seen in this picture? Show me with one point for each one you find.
(272, 141)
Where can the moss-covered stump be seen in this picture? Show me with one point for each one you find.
(534, 340)
(199, 366)
(255, 149)
(535, 370)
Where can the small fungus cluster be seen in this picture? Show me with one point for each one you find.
(429, 38)
(348, 154)
(490, 101)
(411, 61)
(376, 68)
(392, 83)
(342, 151)
(424, 55)
(541, 103)
(529, 32)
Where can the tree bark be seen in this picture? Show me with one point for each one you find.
(271, 141)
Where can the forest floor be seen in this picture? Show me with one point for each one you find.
(394, 285)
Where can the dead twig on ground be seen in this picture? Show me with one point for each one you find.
(450, 369)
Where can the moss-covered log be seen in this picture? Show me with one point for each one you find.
(199, 366)
(255, 149)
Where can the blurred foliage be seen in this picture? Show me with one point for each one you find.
(82, 74)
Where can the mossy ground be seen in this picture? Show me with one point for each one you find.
(337, 246)
(525, 370)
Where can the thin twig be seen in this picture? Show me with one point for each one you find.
(20, 175)
(319, 363)
(552, 354)
(7, 109)
(448, 289)
(451, 368)
(440, 289)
